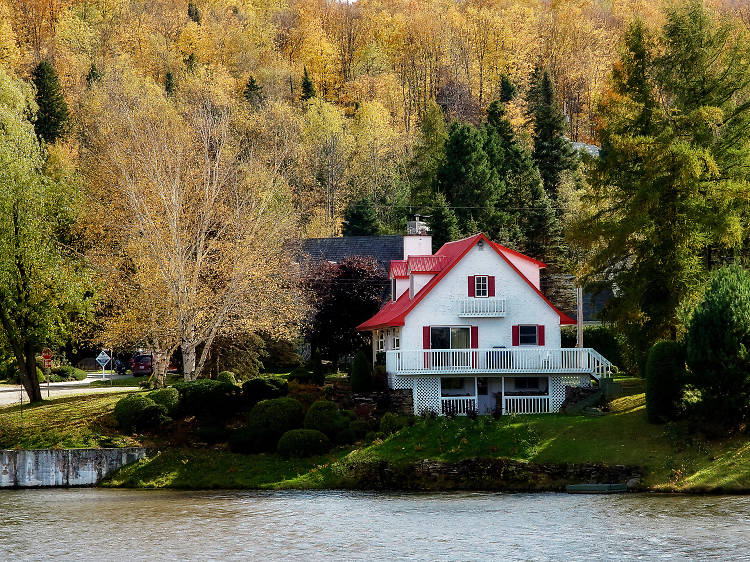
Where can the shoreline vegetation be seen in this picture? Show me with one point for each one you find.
(515, 453)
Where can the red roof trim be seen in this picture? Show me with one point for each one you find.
(518, 254)
(392, 315)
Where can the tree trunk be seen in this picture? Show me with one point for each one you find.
(160, 364)
(188, 361)
(27, 369)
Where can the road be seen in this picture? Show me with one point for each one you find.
(10, 395)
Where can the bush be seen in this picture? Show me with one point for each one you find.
(167, 397)
(205, 398)
(665, 379)
(267, 422)
(361, 375)
(718, 340)
(303, 443)
(360, 428)
(391, 423)
(227, 376)
(212, 434)
(139, 412)
(325, 416)
(263, 388)
(68, 373)
(301, 374)
(602, 338)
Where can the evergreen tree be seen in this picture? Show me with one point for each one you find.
(169, 83)
(191, 62)
(667, 193)
(508, 89)
(93, 75)
(52, 116)
(443, 222)
(308, 88)
(429, 152)
(552, 152)
(360, 219)
(468, 180)
(193, 12)
(253, 93)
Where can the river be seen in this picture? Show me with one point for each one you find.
(100, 524)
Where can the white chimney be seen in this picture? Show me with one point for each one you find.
(418, 240)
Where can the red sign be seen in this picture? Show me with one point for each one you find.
(47, 363)
(47, 353)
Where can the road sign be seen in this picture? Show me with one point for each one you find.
(103, 358)
(47, 363)
(46, 354)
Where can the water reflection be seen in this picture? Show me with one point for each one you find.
(147, 525)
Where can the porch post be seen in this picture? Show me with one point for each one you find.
(502, 395)
(476, 395)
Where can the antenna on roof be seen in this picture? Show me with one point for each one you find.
(417, 226)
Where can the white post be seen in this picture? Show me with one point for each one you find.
(502, 395)
(579, 320)
(476, 395)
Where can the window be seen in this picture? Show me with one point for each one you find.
(481, 286)
(397, 338)
(482, 386)
(527, 335)
(450, 338)
(527, 383)
(393, 289)
(381, 340)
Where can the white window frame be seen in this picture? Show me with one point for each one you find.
(380, 346)
(450, 335)
(481, 286)
(397, 338)
(536, 335)
(393, 289)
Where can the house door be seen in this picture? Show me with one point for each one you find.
(451, 337)
(485, 403)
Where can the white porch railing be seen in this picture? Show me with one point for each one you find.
(481, 308)
(457, 404)
(526, 405)
(528, 360)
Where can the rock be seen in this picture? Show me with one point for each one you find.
(633, 484)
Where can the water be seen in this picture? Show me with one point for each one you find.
(154, 525)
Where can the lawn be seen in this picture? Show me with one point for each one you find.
(68, 422)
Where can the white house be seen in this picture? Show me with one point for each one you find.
(468, 328)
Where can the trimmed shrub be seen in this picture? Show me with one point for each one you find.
(267, 422)
(359, 428)
(718, 340)
(212, 434)
(167, 397)
(325, 416)
(67, 373)
(139, 412)
(303, 443)
(391, 423)
(263, 388)
(345, 437)
(361, 375)
(665, 379)
(205, 398)
(227, 376)
(301, 374)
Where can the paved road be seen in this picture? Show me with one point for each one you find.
(10, 395)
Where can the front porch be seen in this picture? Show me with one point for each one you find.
(484, 395)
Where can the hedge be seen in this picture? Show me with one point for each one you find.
(665, 380)
(326, 417)
(303, 443)
(167, 397)
(267, 422)
(139, 412)
(208, 398)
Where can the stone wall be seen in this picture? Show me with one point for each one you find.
(62, 467)
(399, 402)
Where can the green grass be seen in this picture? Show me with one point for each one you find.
(207, 469)
(68, 422)
(127, 382)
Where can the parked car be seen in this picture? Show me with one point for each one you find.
(142, 365)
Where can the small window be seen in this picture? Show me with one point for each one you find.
(481, 286)
(397, 338)
(527, 335)
(381, 340)
(393, 289)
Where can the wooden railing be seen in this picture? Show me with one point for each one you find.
(481, 308)
(498, 360)
(458, 405)
(526, 405)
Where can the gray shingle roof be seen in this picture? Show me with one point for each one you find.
(382, 248)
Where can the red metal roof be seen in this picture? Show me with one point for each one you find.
(398, 270)
(426, 264)
(394, 313)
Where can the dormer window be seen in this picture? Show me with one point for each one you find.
(394, 296)
(481, 286)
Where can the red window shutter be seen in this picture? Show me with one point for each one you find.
(471, 285)
(426, 337)
(474, 337)
(515, 335)
(540, 335)
(491, 286)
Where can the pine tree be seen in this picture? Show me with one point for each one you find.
(93, 75)
(52, 117)
(193, 12)
(443, 222)
(508, 89)
(552, 152)
(169, 83)
(429, 152)
(308, 88)
(253, 93)
(360, 219)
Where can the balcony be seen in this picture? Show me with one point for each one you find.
(529, 360)
(481, 308)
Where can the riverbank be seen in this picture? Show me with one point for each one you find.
(521, 453)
